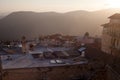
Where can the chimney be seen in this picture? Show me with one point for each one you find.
(24, 46)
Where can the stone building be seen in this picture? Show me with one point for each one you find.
(31, 66)
(111, 35)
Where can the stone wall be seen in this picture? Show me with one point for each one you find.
(46, 73)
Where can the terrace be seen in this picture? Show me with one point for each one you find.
(42, 57)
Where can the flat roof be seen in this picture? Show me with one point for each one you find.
(48, 49)
(52, 56)
(115, 16)
(36, 50)
(28, 61)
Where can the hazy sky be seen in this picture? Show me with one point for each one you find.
(56, 5)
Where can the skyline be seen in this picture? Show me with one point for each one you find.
(56, 5)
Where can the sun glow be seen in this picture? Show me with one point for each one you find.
(113, 3)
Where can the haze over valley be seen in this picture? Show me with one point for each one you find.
(33, 24)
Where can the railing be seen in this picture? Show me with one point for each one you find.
(97, 75)
(112, 74)
(108, 74)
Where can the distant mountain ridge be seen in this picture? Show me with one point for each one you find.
(33, 24)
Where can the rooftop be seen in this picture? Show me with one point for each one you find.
(42, 57)
(28, 61)
(115, 16)
(110, 24)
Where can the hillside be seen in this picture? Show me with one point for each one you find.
(32, 24)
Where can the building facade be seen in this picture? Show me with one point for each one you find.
(46, 73)
(111, 35)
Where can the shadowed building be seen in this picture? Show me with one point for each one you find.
(111, 35)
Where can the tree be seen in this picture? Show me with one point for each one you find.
(86, 35)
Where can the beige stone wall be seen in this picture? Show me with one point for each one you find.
(111, 39)
(106, 43)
